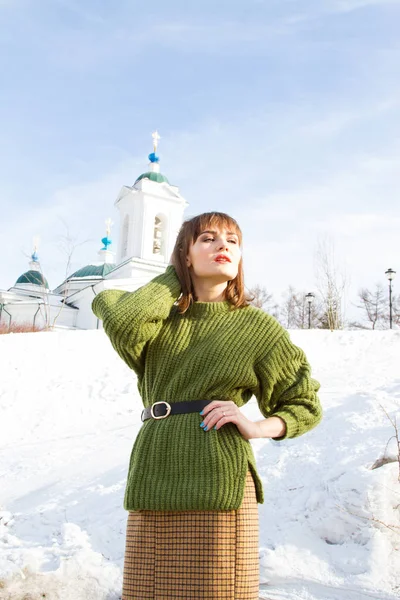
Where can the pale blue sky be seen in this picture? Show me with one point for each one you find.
(283, 113)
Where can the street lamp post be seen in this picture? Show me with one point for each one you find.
(310, 297)
(390, 275)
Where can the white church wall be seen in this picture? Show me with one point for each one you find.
(131, 216)
(126, 227)
(74, 284)
(38, 313)
(64, 318)
(135, 271)
(17, 313)
(29, 289)
(86, 319)
(138, 215)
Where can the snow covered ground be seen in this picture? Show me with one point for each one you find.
(70, 412)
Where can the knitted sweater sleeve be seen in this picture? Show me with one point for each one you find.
(131, 319)
(286, 388)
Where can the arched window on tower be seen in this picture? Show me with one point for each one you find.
(125, 234)
(159, 235)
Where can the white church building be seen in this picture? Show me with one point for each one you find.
(150, 215)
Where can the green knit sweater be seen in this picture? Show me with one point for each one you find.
(212, 352)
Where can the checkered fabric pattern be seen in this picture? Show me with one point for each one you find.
(194, 554)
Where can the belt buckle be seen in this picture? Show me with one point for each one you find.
(161, 416)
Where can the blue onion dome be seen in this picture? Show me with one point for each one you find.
(106, 242)
(33, 277)
(154, 158)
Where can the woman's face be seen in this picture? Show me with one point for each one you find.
(206, 255)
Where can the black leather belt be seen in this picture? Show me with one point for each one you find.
(162, 409)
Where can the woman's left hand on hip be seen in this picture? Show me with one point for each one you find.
(220, 412)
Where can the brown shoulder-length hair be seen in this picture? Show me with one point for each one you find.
(188, 234)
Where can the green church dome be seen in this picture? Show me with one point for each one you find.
(158, 177)
(33, 277)
(93, 271)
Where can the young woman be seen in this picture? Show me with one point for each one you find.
(200, 351)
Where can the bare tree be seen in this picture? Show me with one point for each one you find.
(396, 309)
(67, 244)
(263, 299)
(288, 310)
(331, 285)
(373, 306)
(385, 458)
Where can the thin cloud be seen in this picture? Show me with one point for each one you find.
(81, 11)
(351, 5)
(81, 48)
(337, 121)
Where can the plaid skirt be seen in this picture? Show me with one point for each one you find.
(193, 554)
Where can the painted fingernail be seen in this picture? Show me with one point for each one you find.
(202, 424)
(215, 427)
(205, 428)
(201, 412)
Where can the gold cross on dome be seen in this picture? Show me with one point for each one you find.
(108, 223)
(156, 138)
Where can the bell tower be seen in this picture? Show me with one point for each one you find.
(151, 213)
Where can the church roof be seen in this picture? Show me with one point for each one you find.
(153, 176)
(33, 277)
(93, 270)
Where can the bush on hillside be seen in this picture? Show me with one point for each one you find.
(24, 327)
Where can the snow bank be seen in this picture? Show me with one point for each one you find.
(329, 527)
